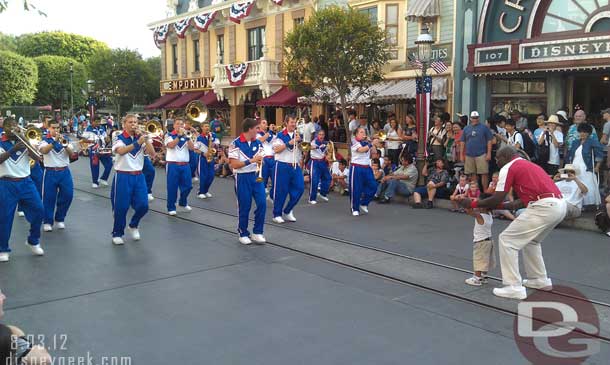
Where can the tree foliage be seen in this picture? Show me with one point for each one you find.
(125, 77)
(18, 79)
(8, 42)
(54, 81)
(63, 44)
(337, 51)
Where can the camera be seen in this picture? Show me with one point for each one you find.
(563, 176)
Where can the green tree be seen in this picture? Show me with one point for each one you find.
(75, 46)
(54, 81)
(337, 51)
(8, 42)
(152, 79)
(18, 79)
(123, 77)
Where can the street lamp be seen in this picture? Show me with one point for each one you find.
(424, 55)
(71, 95)
(91, 102)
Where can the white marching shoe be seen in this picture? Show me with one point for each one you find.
(195, 178)
(202, 196)
(36, 250)
(4, 256)
(290, 217)
(60, 225)
(313, 202)
(171, 212)
(117, 241)
(278, 220)
(245, 240)
(47, 228)
(208, 195)
(258, 238)
(150, 197)
(325, 198)
(364, 208)
(511, 292)
(540, 284)
(103, 182)
(20, 214)
(95, 186)
(186, 208)
(135, 233)
(355, 213)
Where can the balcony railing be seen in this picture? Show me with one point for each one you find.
(263, 73)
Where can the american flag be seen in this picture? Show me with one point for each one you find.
(415, 63)
(422, 110)
(439, 66)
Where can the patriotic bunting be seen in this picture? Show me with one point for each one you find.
(160, 34)
(415, 63)
(203, 21)
(239, 11)
(237, 73)
(181, 26)
(278, 2)
(422, 102)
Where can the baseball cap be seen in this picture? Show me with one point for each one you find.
(474, 114)
(563, 114)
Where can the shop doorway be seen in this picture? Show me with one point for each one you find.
(592, 92)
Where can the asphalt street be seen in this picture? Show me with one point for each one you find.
(189, 293)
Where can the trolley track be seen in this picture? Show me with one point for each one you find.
(361, 269)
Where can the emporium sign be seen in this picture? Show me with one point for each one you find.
(195, 84)
(565, 50)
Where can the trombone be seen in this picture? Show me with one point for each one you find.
(29, 136)
(330, 152)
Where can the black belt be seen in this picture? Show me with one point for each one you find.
(7, 178)
(487, 239)
(56, 168)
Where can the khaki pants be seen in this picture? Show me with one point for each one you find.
(527, 232)
(483, 257)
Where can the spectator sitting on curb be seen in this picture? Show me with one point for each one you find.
(473, 192)
(340, 177)
(402, 181)
(460, 192)
(377, 171)
(436, 185)
(15, 347)
(572, 189)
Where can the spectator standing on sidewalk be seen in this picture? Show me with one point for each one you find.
(477, 139)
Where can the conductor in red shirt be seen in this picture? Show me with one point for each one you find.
(544, 209)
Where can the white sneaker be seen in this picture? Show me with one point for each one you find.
(36, 250)
(269, 198)
(95, 186)
(541, 284)
(150, 197)
(511, 292)
(290, 217)
(47, 228)
(278, 220)
(186, 208)
(313, 202)
(208, 195)
(245, 240)
(267, 191)
(20, 214)
(103, 182)
(172, 212)
(117, 241)
(355, 213)
(135, 233)
(202, 196)
(195, 178)
(259, 238)
(4, 256)
(60, 225)
(475, 281)
(364, 208)
(325, 198)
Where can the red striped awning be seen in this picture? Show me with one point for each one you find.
(161, 102)
(184, 99)
(284, 97)
(211, 101)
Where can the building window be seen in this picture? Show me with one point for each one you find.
(391, 29)
(371, 12)
(204, 3)
(196, 54)
(256, 43)
(298, 21)
(220, 43)
(182, 6)
(174, 59)
(527, 96)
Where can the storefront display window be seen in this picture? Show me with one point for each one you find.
(526, 96)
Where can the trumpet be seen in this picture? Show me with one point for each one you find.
(330, 152)
(27, 136)
(259, 171)
(64, 142)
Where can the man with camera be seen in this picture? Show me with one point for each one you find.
(572, 190)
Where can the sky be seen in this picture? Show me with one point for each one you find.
(119, 23)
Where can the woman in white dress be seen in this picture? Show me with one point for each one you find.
(393, 141)
(587, 155)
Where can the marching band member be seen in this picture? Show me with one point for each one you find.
(149, 175)
(362, 181)
(319, 172)
(16, 187)
(57, 185)
(266, 136)
(288, 176)
(36, 176)
(206, 169)
(193, 156)
(178, 168)
(129, 184)
(98, 137)
(245, 153)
